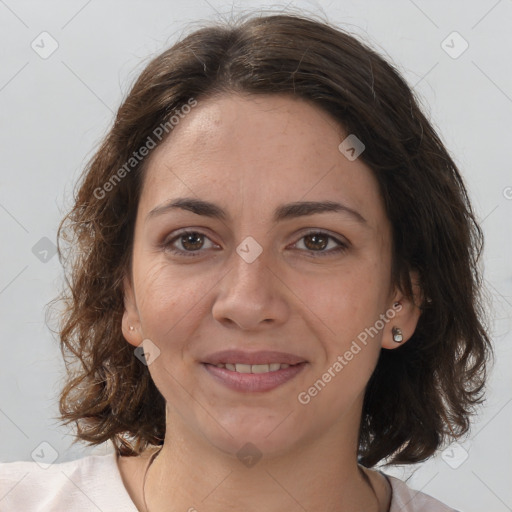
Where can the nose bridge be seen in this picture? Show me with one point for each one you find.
(252, 253)
(250, 268)
(250, 293)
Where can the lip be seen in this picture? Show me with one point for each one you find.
(260, 357)
(254, 382)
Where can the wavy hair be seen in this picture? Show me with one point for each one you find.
(421, 394)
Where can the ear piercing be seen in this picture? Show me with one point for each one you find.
(396, 331)
(132, 328)
(397, 335)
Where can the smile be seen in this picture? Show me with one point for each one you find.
(253, 378)
(253, 368)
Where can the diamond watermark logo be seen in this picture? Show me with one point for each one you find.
(249, 455)
(351, 147)
(455, 455)
(147, 352)
(249, 249)
(454, 45)
(44, 45)
(44, 250)
(44, 455)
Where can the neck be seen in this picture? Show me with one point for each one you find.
(189, 474)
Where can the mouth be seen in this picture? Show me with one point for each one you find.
(253, 368)
(258, 358)
(253, 371)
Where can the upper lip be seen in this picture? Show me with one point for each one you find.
(260, 357)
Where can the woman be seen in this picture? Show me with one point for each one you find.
(273, 286)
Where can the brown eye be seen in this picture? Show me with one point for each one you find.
(191, 241)
(187, 243)
(316, 243)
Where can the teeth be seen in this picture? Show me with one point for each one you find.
(242, 368)
(254, 368)
(259, 368)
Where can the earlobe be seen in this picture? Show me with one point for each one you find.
(397, 334)
(402, 325)
(130, 321)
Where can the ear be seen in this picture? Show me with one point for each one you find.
(404, 314)
(131, 322)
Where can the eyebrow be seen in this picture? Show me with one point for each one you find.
(283, 212)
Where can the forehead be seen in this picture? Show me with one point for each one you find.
(259, 151)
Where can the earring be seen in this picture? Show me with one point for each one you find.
(132, 328)
(397, 335)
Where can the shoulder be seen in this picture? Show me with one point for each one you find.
(89, 483)
(406, 499)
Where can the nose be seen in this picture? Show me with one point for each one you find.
(251, 296)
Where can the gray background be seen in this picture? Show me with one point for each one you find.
(55, 111)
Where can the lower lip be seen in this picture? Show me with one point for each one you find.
(254, 382)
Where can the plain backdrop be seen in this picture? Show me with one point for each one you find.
(55, 108)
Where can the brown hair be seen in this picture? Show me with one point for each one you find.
(420, 394)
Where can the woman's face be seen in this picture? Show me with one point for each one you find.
(310, 283)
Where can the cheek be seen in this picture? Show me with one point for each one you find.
(350, 307)
(346, 300)
(171, 306)
(168, 301)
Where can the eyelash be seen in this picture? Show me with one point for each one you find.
(167, 245)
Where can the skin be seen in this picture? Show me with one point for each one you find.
(249, 155)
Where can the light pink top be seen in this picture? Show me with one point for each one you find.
(94, 483)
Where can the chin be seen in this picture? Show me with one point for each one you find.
(269, 436)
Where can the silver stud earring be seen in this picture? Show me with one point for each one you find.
(397, 335)
(132, 328)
